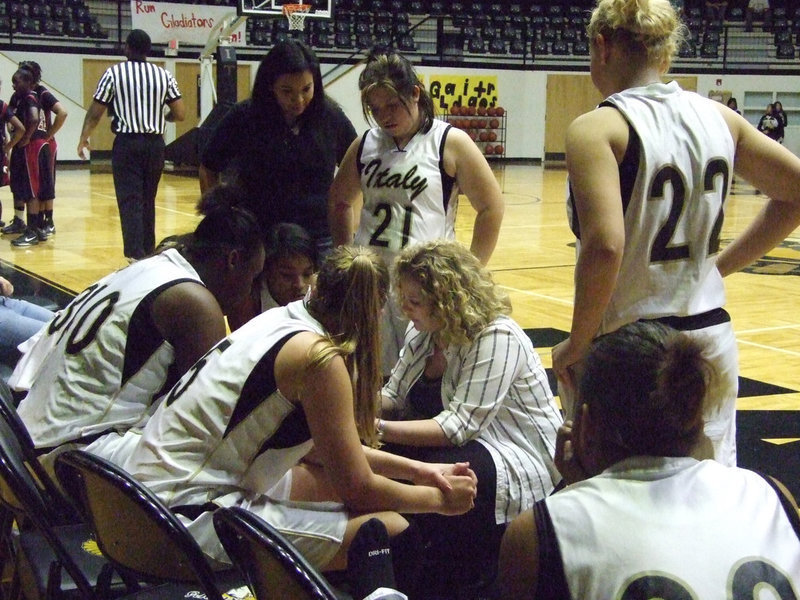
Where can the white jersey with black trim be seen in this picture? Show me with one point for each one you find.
(674, 182)
(101, 361)
(408, 197)
(224, 416)
(657, 527)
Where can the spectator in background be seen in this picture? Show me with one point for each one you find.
(770, 125)
(715, 10)
(780, 113)
(19, 321)
(757, 9)
(734, 105)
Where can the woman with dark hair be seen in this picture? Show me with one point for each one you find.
(283, 144)
(103, 359)
(406, 174)
(290, 262)
(641, 518)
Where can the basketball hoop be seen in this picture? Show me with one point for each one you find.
(296, 14)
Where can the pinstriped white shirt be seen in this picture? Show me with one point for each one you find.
(136, 92)
(495, 391)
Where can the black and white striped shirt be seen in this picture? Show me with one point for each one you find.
(494, 390)
(136, 92)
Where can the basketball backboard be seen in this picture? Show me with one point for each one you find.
(320, 9)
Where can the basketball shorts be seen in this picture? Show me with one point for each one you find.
(31, 172)
(315, 528)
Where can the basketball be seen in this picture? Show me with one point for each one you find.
(491, 111)
(483, 136)
(492, 136)
(494, 123)
(498, 149)
(482, 110)
(472, 135)
(499, 111)
(489, 149)
(471, 110)
(480, 123)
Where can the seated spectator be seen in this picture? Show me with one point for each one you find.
(641, 518)
(104, 358)
(468, 387)
(19, 320)
(262, 399)
(290, 261)
(715, 9)
(757, 9)
(770, 125)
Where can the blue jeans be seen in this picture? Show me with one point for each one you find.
(19, 320)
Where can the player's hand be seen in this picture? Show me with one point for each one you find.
(565, 354)
(566, 459)
(461, 496)
(6, 287)
(436, 474)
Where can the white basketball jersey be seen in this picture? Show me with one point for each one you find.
(225, 414)
(100, 361)
(674, 183)
(408, 197)
(675, 528)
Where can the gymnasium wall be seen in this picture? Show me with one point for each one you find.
(522, 93)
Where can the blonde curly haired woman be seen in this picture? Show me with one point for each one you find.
(468, 387)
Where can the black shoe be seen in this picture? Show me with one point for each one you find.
(29, 238)
(49, 228)
(17, 225)
(41, 234)
(2, 224)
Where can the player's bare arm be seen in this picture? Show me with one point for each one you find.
(190, 319)
(93, 115)
(475, 179)
(343, 198)
(594, 151)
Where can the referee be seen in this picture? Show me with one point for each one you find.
(136, 92)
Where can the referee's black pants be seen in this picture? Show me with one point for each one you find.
(137, 160)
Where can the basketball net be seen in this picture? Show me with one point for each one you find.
(296, 15)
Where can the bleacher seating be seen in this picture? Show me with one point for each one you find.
(785, 51)
(531, 30)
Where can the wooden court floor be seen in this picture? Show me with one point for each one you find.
(534, 260)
